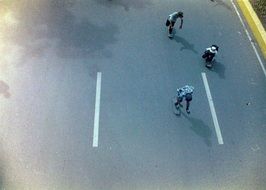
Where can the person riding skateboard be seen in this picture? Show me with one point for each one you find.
(184, 92)
(171, 20)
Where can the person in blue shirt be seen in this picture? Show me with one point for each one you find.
(184, 92)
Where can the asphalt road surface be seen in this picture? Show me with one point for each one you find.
(86, 89)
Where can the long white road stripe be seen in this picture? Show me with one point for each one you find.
(252, 44)
(213, 112)
(97, 110)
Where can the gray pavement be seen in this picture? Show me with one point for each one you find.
(50, 54)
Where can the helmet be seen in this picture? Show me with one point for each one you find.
(216, 47)
(213, 48)
(180, 13)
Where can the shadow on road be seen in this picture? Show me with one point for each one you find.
(81, 39)
(185, 44)
(218, 68)
(200, 128)
(222, 3)
(2, 167)
(126, 4)
(4, 89)
(53, 24)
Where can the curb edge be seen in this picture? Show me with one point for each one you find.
(254, 23)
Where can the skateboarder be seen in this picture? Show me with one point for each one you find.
(171, 20)
(209, 54)
(184, 92)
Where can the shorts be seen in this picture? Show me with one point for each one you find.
(168, 22)
(188, 97)
(179, 99)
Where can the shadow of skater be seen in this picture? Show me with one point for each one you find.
(185, 43)
(4, 89)
(200, 128)
(219, 68)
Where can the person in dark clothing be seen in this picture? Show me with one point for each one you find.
(210, 53)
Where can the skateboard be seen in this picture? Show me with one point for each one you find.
(170, 35)
(210, 64)
(176, 109)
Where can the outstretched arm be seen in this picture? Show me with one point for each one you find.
(181, 24)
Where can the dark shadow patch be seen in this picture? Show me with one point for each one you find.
(200, 128)
(84, 38)
(2, 167)
(185, 44)
(222, 3)
(219, 68)
(126, 4)
(93, 69)
(4, 89)
(44, 24)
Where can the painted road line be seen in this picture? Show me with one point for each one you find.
(97, 110)
(250, 39)
(213, 112)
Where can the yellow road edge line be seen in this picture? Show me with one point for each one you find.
(254, 24)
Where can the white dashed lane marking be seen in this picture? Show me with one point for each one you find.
(97, 110)
(212, 108)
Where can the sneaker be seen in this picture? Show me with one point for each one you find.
(170, 36)
(188, 111)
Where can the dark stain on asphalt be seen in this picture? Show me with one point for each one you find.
(3, 168)
(4, 89)
(222, 3)
(126, 4)
(44, 24)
